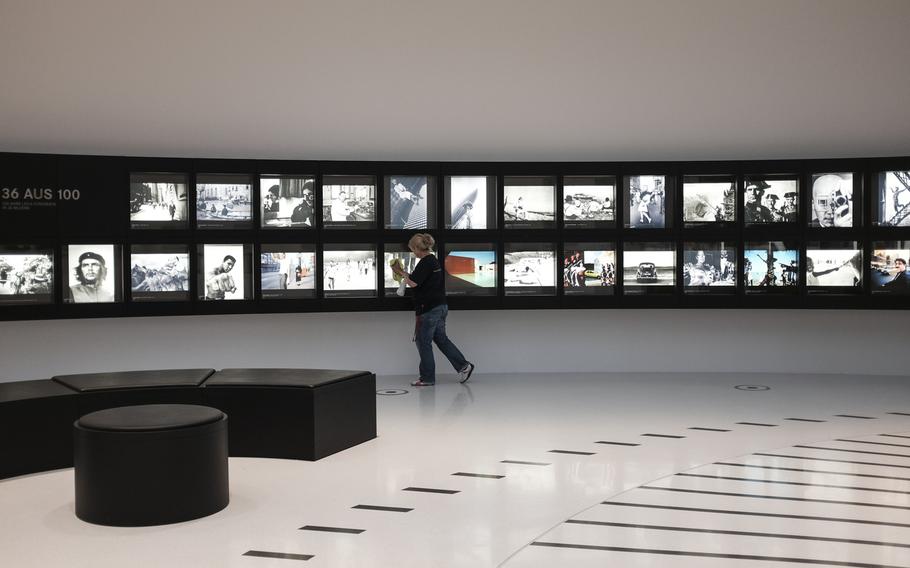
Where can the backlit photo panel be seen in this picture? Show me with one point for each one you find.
(529, 202)
(894, 199)
(223, 201)
(398, 254)
(709, 267)
(470, 269)
(588, 269)
(94, 274)
(771, 267)
(158, 201)
(26, 275)
(287, 202)
(224, 272)
(834, 267)
(410, 202)
(770, 199)
(529, 269)
(349, 271)
(889, 268)
(470, 202)
(159, 273)
(832, 201)
(287, 271)
(589, 201)
(649, 267)
(348, 202)
(648, 202)
(709, 199)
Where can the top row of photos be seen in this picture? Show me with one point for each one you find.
(226, 201)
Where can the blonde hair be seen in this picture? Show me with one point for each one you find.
(422, 242)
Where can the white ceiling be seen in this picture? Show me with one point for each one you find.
(457, 79)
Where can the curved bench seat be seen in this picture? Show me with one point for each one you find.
(275, 413)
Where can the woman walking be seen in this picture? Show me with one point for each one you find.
(428, 282)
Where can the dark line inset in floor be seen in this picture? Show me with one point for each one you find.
(855, 416)
(899, 413)
(894, 436)
(711, 555)
(708, 429)
(756, 424)
(481, 475)
(663, 436)
(382, 508)
(852, 451)
(738, 533)
(524, 462)
(281, 555)
(826, 471)
(804, 420)
(573, 452)
(872, 443)
(318, 528)
(777, 497)
(431, 490)
(757, 514)
(808, 458)
(616, 443)
(797, 483)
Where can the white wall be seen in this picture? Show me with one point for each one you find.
(498, 341)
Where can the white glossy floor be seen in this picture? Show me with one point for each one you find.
(830, 489)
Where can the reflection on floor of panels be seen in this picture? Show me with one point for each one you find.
(568, 470)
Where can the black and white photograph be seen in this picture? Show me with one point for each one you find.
(287, 202)
(348, 202)
(832, 200)
(529, 269)
(588, 268)
(770, 200)
(647, 199)
(470, 269)
(94, 274)
(159, 273)
(889, 268)
(648, 265)
(589, 202)
(287, 271)
(894, 199)
(348, 271)
(224, 272)
(223, 201)
(158, 201)
(709, 199)
(396, 254)
(771, 266)
(468, 201)
(529, 202)
(839, 266)
(709, 265)
(26, 275)
(409, 202)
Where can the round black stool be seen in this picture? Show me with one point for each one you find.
(151, 465)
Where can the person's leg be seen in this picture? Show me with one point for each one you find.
(423, 337)
(445, 344)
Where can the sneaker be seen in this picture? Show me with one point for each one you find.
(465, 373)
(420, 383)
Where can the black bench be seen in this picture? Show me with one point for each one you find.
(151, 464)
(302, 414)
(274, 413)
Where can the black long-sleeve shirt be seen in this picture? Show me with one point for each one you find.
(431, 285)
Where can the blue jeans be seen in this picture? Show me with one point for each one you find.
(431, 328)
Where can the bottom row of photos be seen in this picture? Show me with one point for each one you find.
(289, 271)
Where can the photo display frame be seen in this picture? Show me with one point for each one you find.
(589, 269)
(470, 202)
(589, 202)
(349, 202)
(224, 272)
(410, 202)
(834, 267)
(649, 201)
(648, 268)
(529, 269)
(287, 271)
(771, 267)
(529, 202)
(224, 201)
(287, 202)
(159, 273)
(94, 275)
(26, 275)
(888, 268)
(471, 269)
(349, 270)
(159, 201)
